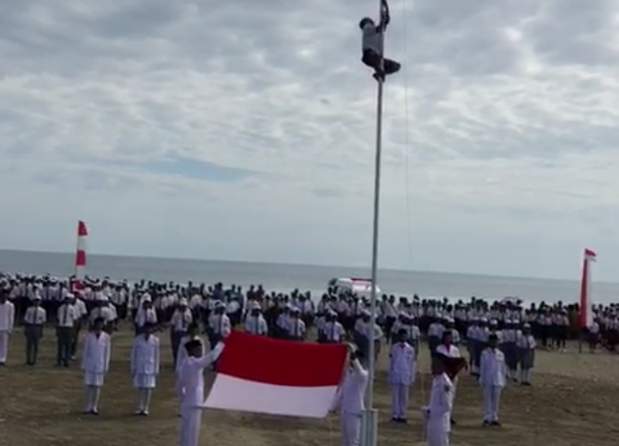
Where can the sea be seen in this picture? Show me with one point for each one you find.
(286, 277)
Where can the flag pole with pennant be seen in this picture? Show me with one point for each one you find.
(80, 256)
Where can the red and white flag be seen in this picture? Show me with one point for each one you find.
(263, 375)
(80, 255)
(586, 304)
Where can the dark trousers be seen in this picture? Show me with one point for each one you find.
(33, 333)
(75, 337)
(64, 337)
(372, 59)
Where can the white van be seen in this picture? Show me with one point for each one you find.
(352, 285)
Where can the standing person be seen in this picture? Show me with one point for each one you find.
(492, 379)
(401, 376)
(438, 412)
(448, 350)
(332, 332)
(82, 316)
(219, 326)
(526, 354)
(145, 367)
(350, 398)
(65, 329)
(255, 322)
(34, 319)
(95, 364)
(435, 334)
(190, 389)
(509, 347)
(296, 327)
(7, 321)
(179, 324)
(193, 333)
(593, 335)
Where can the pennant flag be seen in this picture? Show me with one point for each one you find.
(80, 255)
(263, 375)
(586, 304)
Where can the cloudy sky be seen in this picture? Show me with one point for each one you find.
(245, 130)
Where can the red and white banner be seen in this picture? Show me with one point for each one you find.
(586, 303)
(263, 375)
(80, 255)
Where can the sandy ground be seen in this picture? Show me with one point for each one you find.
(573, 402)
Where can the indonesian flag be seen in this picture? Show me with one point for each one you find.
(263, 375)
(80, 255)
(586, 310)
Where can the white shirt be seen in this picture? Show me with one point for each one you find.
(296, 328)
(145, 355)
(526, 342)
(333, 331)
(182, 351)
(97, 353)
(7, 316)
(190, 382)
(181, 319)
(436, 329)
(492, 368)
(35, 316)
(101, 312)
(402, 364)
(441, 403)
(451, 352)
(80, 308)
(143, 316)
(351, 394)
(67, 315)
(256, 325)
(220, 324)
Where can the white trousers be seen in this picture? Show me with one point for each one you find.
(437, 436)
(4, 345)
(93, 394)
(399, 400)
(492, 398)
(144, 396)
(351, 428)
(525, 375)
(191, 422)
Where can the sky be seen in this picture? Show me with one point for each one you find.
(245, 130)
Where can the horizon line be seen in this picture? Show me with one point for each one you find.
(281, 263)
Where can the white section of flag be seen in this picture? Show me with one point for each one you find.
(232, 393)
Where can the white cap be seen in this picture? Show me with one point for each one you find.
(255, 306)
(102, 298)
(69, 296)
(182, 302)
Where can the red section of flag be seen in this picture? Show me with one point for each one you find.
(80, 258)
(590, 253)
(81, 229)
(284, 363)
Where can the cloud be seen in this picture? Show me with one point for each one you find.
(254, 122)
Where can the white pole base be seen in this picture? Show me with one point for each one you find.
(369, 427)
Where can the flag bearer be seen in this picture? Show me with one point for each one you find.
(95, 364)
(190, 389)
(438, 412)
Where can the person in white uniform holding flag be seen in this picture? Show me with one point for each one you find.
(95, 364)
(145, 367)
(401, 376)
(7, 321)
(190, 389)
(350, 398)
(438, 412)
(492, 377)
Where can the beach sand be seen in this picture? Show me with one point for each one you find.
(572, 402)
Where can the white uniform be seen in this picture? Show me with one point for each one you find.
(182, 351)
(256, 325)
(190, 388)
(333, 331)
(350, 401)
(145, 368)
(492, 375)
(7, 321)
(439, 411)
(95, 364)
(401, 377)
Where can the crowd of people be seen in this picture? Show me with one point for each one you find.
(500, 337)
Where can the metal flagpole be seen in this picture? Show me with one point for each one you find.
(370, 416)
